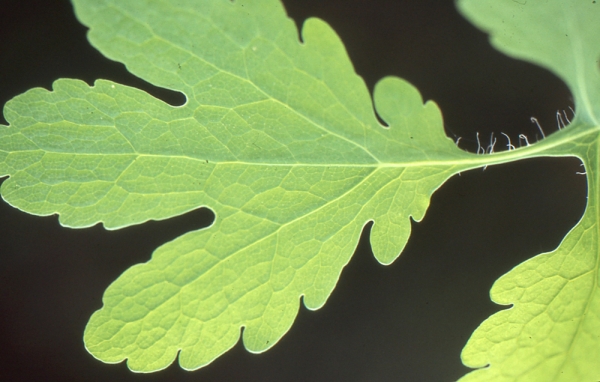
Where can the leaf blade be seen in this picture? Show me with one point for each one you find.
(292, 175)
(551, 332)
(558, 35)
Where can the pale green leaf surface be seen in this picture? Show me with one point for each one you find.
(552, 330)
(552, 333)
(277, 137)
(559, 35)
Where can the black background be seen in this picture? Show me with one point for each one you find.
(405, 322)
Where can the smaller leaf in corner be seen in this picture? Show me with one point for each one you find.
(552, 331)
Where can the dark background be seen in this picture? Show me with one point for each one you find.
(405, 322)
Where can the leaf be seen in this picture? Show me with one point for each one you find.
(561, 36)
(552, 331)
(278, 137)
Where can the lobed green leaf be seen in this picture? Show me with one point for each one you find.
(278, 137)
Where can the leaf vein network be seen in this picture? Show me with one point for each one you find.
(228, 257)
(267, 95)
